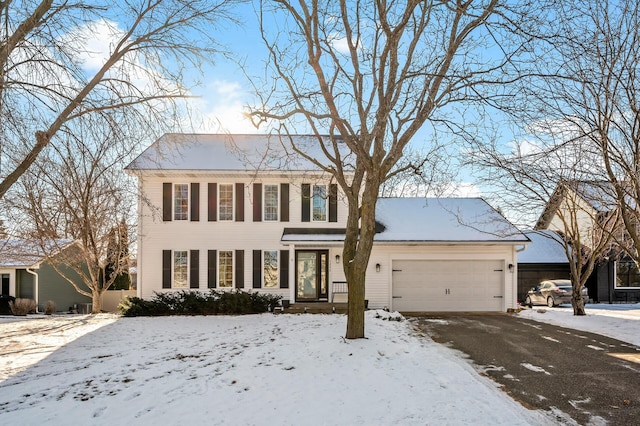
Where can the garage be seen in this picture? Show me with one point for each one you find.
(448, 285)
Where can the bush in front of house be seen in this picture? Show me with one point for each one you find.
(22, 306)
(5, 308)
(49, 307)
(214, 302)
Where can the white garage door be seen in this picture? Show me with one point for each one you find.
(448, 285)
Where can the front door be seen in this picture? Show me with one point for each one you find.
(5, 284)
(311, 275)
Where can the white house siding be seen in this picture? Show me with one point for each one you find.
(203, 235)
(379, 284)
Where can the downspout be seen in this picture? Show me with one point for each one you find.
(36, 287)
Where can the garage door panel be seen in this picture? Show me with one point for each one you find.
(443, 285)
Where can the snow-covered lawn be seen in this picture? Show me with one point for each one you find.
(618, 321)
(256, 370)
(246, 370)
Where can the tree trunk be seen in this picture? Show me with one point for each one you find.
(576, 301)
(97, 301)
(357, 250)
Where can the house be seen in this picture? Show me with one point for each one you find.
(616, 277)
(26, 273)
(242, 212)
(544, 259)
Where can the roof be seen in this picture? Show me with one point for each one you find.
(226, 152)
(426, 220)
(24, 254)
(546, 247)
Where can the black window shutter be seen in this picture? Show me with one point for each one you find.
(257, 268)
(195, 202)
(306, 202)
(284, 202)
(239, 268)
(166, 202)
(333, 202)
(284, 268)
(194, 269)
(239, 202)
(211, 268)
(257, 202)
(212, 202)
(166, 268)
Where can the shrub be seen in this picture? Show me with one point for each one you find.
(22, 306)
(214, 302)
(49, 307)
(5, 308)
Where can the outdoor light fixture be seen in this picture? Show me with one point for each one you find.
(337, 258)
(511, 267)
(377, 267)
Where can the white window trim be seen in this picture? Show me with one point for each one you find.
(264, 202)
(277, 269)
(615, 279)
(233, 202)
(233, 270)
(173, 199)
(173, 269)
(326, 203)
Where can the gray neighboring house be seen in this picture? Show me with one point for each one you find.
(25, 273)
(543, 259)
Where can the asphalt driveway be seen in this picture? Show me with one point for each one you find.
(590, 378)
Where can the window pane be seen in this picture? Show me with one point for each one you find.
(271, 202)
(226, 201)
(225, 271)
(271, 268)
(180, 269)
(181, 201)
(320, 203)
(627, 275)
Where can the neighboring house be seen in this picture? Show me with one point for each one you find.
(25, 273)
(544, 259)
(234, 212)
(616, 277)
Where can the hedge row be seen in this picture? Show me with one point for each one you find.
(214, 302)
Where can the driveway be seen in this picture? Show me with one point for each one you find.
(571, 373)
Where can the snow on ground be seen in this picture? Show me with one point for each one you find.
(618, 321)
(259, 369)
(250, 370)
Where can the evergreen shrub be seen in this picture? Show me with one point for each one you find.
(235, 302)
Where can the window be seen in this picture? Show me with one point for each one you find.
(271, 202)
(225, 269)
(270, 267)
(319, 203)
(180, 201)
(180, 269)
(627, 275)
(226, 201)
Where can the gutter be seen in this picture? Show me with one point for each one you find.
(36, 287)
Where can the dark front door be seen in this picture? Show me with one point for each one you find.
(311, 275)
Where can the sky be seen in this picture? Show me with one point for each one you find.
(260, 370)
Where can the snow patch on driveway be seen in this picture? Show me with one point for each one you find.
(534, 368)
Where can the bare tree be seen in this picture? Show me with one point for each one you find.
(602, 101)
(70, 202)
(372, 75)
(64, 61)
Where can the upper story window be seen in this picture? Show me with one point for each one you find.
(180, 201)
(180, 269)
(271, 202)
(226, 201)
(319, 203)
